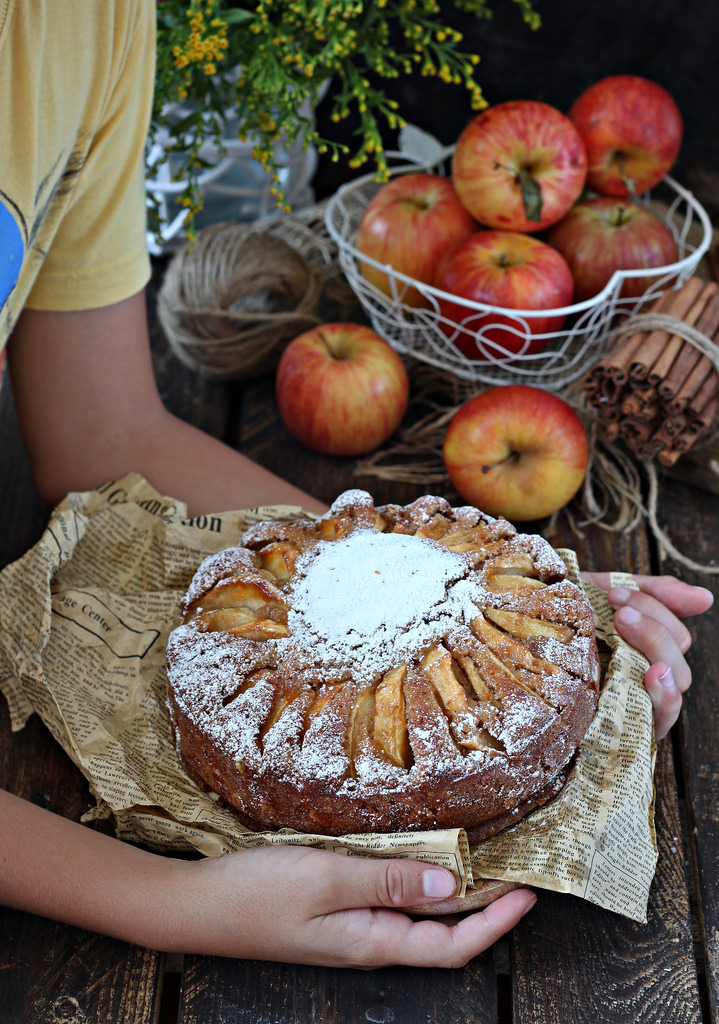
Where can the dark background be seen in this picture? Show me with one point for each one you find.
(673, 42)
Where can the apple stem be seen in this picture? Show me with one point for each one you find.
(620, 160)
(621, 216)
(512, 457)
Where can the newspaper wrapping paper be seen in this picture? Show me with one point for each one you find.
(84, 620)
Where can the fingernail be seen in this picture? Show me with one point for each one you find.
(628, 616)
(619, 595)
(667, 678)
(437, 883)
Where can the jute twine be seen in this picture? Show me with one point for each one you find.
(612, 495)
(233, 298)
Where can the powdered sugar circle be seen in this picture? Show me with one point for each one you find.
(372, 599)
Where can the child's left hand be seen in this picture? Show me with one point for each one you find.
(649, 619)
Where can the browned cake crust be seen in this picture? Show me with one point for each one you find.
(383, 669)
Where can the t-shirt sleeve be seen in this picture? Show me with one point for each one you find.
(99, 253)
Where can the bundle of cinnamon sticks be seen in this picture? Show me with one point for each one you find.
(656, 390)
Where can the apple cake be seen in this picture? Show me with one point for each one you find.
(381, 669)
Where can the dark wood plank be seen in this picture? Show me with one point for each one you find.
(283, 994)
(49, 971)
(575, 962)
(53, 973)
(691, 518)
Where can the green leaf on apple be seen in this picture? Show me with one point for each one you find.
(531, 194)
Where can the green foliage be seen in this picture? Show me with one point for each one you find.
(261, 60)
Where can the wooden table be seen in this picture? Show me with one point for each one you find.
(567, 961)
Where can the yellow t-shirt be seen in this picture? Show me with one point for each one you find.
(76, 79)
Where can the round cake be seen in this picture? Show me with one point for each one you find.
(383, 669)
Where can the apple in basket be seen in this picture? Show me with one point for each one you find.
(519, 165)
(604, 234)
(408, 225)
(632, 130)
(516, 451)
(508, 269)
(341, 389)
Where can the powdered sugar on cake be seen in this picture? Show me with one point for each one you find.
(375, 599)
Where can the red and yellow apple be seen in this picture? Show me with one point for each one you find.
(408, 225)
(505, 269)
(341, 388)
(516, 451)
(599, 236)
(632, 130)
(519, 165)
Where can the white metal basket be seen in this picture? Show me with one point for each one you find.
(427, 335)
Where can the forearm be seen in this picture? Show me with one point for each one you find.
(183, 462)
(68, 872)
(89, 411)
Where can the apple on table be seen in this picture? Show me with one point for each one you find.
(510, 270)
(408, 225)
(632, 130)
(516, 451)
(519, 166)
(604, 234)
(341, 388)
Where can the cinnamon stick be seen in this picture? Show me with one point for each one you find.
(656, 340)
(706, 391)
(674, 425)
(669, 456)
(641, 404)
(615, 365)
(635, 431)
(705, 416)
(675, 342)
(702, 381)
(674, 385)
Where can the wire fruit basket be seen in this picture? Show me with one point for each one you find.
(550, 360)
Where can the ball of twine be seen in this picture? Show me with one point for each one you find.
(229, 301)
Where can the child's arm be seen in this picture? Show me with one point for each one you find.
(89, 411)
(279, 903)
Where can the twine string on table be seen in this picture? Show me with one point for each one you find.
(230, 300)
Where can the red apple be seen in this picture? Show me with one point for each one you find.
(341, 389)
(519, 165)
(516, 451)
(599, 236)
(408, 225)
(506, 269)
(632, 130)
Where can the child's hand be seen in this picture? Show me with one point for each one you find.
(649, 619)
(309, 906)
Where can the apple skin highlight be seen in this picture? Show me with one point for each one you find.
(632, 130)
(602, 235)
(506, 269)
(516, 451)
(409, 225)
(519, 166)
(341, 389)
